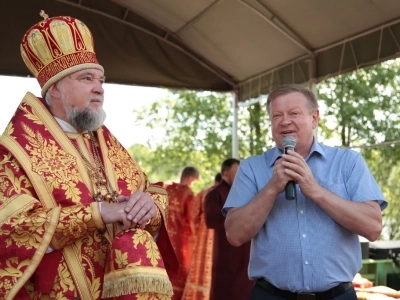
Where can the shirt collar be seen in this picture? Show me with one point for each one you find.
(277, 153)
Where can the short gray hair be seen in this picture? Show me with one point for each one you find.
(47, 96)
(293, 88)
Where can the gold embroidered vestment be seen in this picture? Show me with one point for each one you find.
(46, 202)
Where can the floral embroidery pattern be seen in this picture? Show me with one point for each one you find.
(152, 296)
(75, 222)
(9, 183)
(144, 238)
(76, 227)
(57, 166)
(25, 107)
(125, 168)
(28, 231)
(12, 271)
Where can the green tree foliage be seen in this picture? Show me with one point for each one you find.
(197, 131)
(386, 172)
(364, 105)
(144, 157)
(254, 127)
(363, 108)
(392, 213)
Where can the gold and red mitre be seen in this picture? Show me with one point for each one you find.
(56, 47)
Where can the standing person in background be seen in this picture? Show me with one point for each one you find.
(306, 248)
(198, 282)
(78, 217)
(181, 199)
(229, 266)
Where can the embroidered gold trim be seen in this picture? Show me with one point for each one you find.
(40, 251)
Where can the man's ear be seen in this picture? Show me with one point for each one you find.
(54, 91)
(315, 118)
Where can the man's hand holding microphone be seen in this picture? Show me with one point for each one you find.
(292, 169)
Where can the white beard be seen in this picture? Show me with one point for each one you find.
(86, 118)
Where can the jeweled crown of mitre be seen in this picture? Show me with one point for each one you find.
(56, 47)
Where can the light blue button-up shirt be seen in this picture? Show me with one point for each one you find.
(300, 248)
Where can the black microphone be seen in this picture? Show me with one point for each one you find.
(289, 143)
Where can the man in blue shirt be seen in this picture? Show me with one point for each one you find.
(307, 248)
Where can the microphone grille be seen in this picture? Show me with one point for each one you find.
(288, 141)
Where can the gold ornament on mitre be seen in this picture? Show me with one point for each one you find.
(56, 47)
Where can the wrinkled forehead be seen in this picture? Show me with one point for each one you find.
(288, 101)
(89, 72)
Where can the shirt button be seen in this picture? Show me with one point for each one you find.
(301, 211)
(304, 235)
(306, 262)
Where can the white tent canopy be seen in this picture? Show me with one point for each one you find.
(245, 46)
(248, 46)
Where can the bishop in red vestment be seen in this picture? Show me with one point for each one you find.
(78, 217)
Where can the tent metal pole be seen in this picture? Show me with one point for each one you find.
(298, 59)
(235, 143)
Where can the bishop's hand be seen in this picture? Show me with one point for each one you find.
(139, 208)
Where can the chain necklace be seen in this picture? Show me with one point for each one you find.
(97, 173)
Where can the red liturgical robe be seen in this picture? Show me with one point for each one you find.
(181, 200)
(198, 283)
(54, 242)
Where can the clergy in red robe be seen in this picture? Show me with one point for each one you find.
(198, 282)
(78, 217)
(229, 265)
(180, 217)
